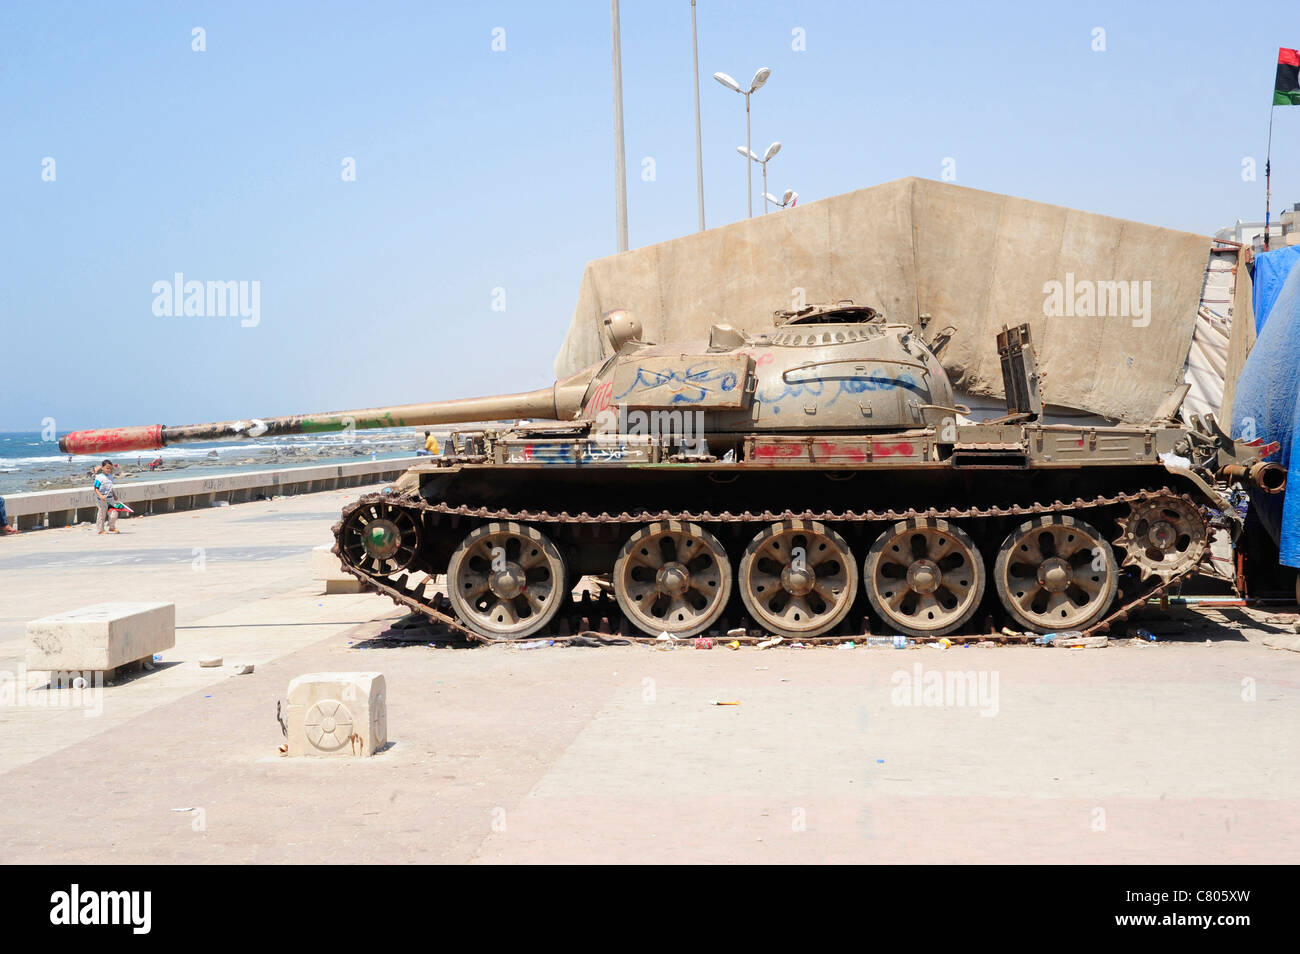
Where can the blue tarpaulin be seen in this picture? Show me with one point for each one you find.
(1271, 270)
(1267, 401)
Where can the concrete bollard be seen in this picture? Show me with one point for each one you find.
(101, 638)
(326, 568)
(337, 713)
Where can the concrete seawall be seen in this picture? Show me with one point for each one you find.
(59, 508)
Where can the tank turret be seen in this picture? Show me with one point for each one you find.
(822, 369)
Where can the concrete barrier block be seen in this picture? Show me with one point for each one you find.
(338, 713)
(326, 568)
(101, 637)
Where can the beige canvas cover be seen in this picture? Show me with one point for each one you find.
(972, 260)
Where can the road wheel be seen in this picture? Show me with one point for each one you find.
(506, 580)
(798, 579)
(924, 577)
(673, 577)
(1055, 573)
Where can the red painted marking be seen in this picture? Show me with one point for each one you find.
(600, 398)
(778, 450)
(829, 449)
(903, 448)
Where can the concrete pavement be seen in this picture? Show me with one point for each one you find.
(1178, 751)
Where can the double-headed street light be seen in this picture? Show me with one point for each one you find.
(772, 150)
(789, 198)
(759, 79)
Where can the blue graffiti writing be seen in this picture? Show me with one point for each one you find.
(816, 387)
(690, 386)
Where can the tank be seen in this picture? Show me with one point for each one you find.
(815, 481)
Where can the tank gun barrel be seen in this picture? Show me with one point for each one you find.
(558, 402)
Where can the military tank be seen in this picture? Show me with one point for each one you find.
(817, 480)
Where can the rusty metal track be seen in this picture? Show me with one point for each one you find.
(439, 608)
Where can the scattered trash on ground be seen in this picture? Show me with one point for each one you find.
(210, 662)
(1291, 643)
(716, 702)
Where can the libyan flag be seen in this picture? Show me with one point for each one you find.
(1286, 91)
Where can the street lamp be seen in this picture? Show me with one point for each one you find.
(772, 150)
(759, 79)
(790, 198)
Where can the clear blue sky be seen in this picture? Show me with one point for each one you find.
(478, 169)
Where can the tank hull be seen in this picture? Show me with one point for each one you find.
(903, 516)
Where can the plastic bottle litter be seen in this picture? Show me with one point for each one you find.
(849, 645)
(537, 644)
(879, 641)
(1147, 635)
(901, 642)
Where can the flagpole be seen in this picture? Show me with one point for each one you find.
(1268, 173)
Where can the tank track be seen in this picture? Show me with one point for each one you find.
(575, 620)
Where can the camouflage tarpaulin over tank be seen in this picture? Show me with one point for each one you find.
(1111, 303)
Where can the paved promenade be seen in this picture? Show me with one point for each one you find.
(1179, 751)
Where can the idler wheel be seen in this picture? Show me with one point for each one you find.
(380, 539)
(672, 576)
(1055, 573)
(506, 580)
(798, 578)
(924, 577)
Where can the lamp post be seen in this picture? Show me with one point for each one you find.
(772, 150)
(789, 198)
(699, 149)
(759, 79)
(620, 158)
